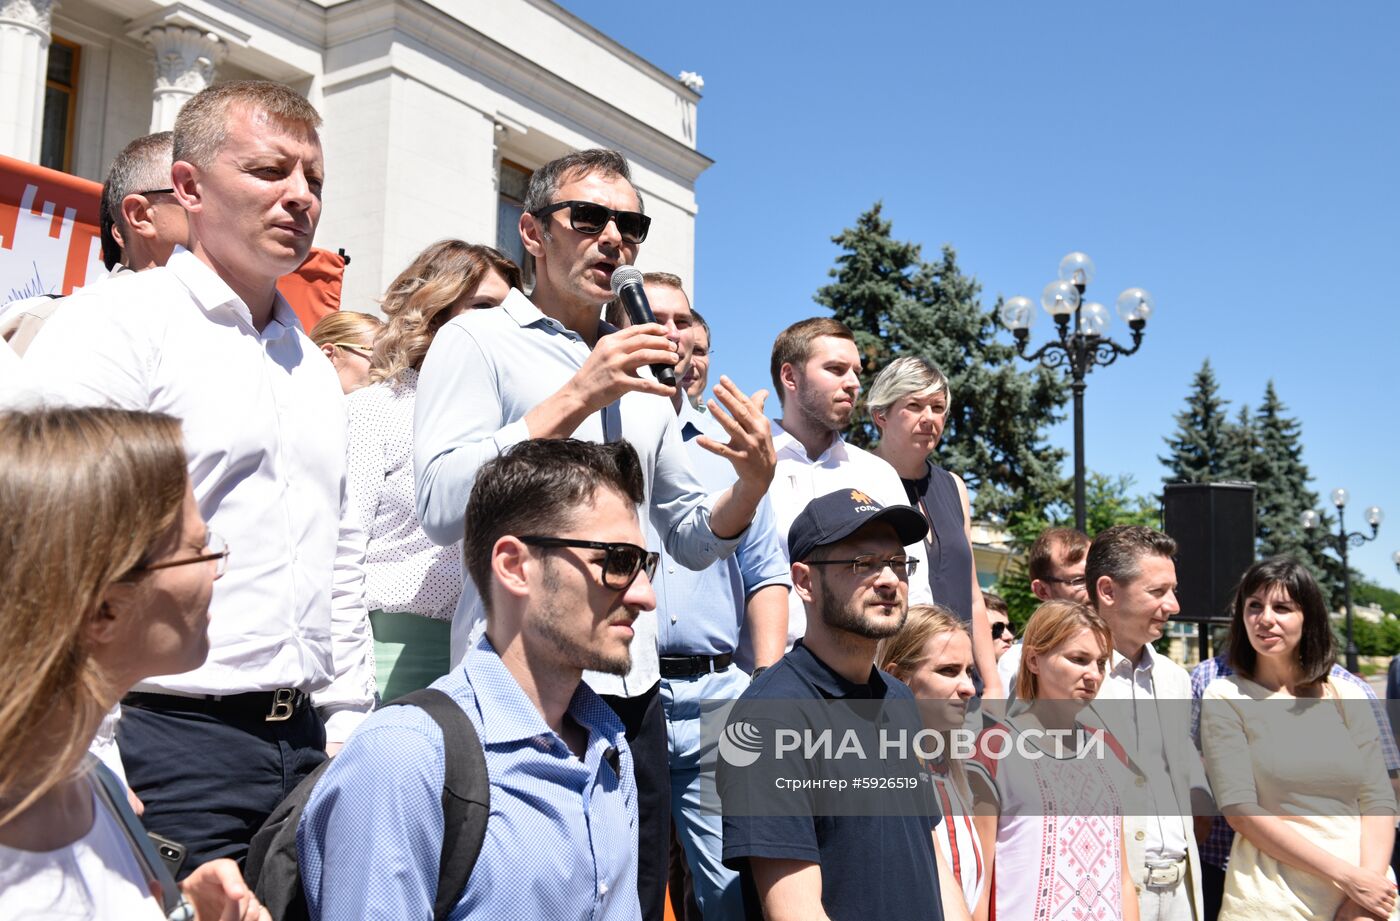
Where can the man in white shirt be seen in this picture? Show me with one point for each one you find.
(1145, 702)
(209, 340)
(547, 366)
(816, 374)
(142, 223)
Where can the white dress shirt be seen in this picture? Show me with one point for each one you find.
(404, 571)
(484, 371)
(265, 432)
(798, 479)
(1140, 728)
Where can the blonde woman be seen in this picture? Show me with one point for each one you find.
(910, 401)
(932, 654)
(107, 575)
(1051, 820)
(411, 584)
(347, 339)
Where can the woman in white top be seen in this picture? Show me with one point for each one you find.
(411, 584)
(932, 654)
(1051, 819)
(1293, 758)
(107, 573)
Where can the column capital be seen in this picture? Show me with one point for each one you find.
(185, 57)
(37, 15)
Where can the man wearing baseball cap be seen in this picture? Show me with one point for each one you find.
(851, 571)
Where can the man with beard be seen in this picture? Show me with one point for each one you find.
(852, 573)
(553, 542)
(816, 375)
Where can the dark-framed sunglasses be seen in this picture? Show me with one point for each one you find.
(156, 192)
(864, 566)
(621, 562)
(1000, 629)
(1076, 581)
(590, 218)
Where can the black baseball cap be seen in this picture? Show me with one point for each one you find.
(837, 515)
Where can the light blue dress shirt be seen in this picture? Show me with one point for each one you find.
(701, 613)
(561, 842)
(485, 370)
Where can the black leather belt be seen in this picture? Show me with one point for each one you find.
(690, 666)
(270, 706)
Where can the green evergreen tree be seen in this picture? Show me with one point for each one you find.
(1282, 495)
(1240, 448)
(896, 304)
(1199, 443)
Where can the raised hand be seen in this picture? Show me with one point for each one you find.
(750, 446)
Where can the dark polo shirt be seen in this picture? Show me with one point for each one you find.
(873, 866)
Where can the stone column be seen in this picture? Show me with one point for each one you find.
(185, 60)
(24, 60)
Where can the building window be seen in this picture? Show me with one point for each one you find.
(513, 182)
(60, 106)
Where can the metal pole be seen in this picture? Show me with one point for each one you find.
(1352, 665)
(1079, 500)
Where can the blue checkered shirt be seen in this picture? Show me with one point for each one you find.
(1216, 850)
(561, 841)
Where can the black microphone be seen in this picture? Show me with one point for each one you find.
(627, 288)
(613, 760)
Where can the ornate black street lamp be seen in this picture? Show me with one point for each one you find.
(1340, 541)
(1080, 346)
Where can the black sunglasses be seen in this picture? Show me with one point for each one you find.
(621, 562)
(1001, 628)
(590, 218)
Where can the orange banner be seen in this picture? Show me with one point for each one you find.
(48, 231)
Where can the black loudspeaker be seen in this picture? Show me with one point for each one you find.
(1213, 526)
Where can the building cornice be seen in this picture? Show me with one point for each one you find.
(456, 41)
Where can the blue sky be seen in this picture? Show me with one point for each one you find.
(1237, 160)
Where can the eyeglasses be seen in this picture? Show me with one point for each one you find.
(621, 562)
(216, 549)
(902, 566)
(156, 192)
(1076, 581)
(1000, 629)
(590, 218)
(365, 350)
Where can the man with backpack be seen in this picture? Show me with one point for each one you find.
(553, 540)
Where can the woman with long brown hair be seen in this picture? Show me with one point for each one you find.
(411, 584)
(1293, 758)
(105, 579)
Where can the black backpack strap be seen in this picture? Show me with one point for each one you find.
(466, 794)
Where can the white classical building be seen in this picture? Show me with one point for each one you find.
(435, 110)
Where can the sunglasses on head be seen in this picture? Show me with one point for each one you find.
(590, 218)
(1000, 629)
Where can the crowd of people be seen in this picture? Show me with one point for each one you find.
(235, 543)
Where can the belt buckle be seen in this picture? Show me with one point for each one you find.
(283, 705)
(1162, 877)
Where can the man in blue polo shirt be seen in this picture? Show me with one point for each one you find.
(552, 538)
(851, 572)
